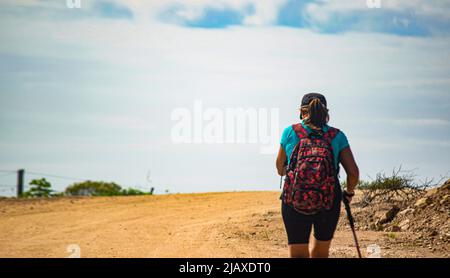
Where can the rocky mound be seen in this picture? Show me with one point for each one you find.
(426, 220)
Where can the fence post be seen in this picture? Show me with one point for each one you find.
(20, 175)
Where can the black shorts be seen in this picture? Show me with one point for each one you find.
(298, 226)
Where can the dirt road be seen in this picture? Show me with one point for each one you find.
(235, 224)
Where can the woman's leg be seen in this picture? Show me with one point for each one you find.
(299, 250)
(325, 224)
(298, 229)
(320, 249)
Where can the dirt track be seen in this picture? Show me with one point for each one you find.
(236, 224)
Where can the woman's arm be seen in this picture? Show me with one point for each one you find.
(348, 161)
(281, 162)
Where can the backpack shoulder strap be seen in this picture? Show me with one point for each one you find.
(331, 133)
(300, 130)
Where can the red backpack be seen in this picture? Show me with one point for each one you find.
(311, 176)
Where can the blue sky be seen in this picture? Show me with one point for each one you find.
(89, 92)
(301, 14)
(112, 10)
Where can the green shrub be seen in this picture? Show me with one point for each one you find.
(94, 188)
(132, 192)
(39, 188)
(99, 188)
(361, 184)
(392, 236)
(399, 187)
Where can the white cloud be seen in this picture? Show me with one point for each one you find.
(430, 8)
(266, 12)
(322, 11)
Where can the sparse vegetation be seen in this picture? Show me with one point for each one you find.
(39, 188)
(132, 192)
(398, 187)
(99, 188)
(392, 236)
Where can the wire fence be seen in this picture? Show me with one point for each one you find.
(7, 189)
(55, 176)
(9, 181)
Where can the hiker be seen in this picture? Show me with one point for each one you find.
(309, 155)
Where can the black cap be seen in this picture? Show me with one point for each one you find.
(309, 97)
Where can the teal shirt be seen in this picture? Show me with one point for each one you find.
(289, 140)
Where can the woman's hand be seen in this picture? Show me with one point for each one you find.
(348, 195)
(348, 161)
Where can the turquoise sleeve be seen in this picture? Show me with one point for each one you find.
(342, 141)
(285, 137)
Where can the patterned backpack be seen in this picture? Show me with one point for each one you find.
(311, 176)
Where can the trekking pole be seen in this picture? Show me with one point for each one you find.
(352, 223)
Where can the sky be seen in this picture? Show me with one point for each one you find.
(91, 92)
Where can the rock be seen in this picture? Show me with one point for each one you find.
(433, 233)
(404, 225)
(386, 217)
(395, 228)
(446, 185)
(379, 214)
(392, 213)
(380, 217)
(423, 202)
(405, 212)
(379, 223)
(431, 192)
(373, 227)
(444, 199)
(379, 226)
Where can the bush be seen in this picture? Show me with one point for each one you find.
(39, 188)
(398, 187)
(99, 188)
(94, 188)
(132, 192)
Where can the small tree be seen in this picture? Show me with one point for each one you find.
(399, 187)
(100, 188)
(39, 188)
(94, 188)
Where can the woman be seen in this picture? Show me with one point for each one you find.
(322, 211)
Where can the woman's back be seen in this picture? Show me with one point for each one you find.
(311, 194)
(289, 140)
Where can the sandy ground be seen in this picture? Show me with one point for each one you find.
(235, 224)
